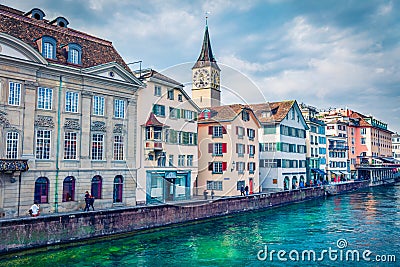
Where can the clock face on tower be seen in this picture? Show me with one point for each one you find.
(215, 79)
(201, 78)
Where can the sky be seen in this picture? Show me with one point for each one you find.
(326, 54)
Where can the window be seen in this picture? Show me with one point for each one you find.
(251, 149)
(240, 132)
(173, 113)
(240, 149)
(48, 50)
(119, 108)
(74, 53)
(218, 167)
(251, 133)
(268, 163)
(189, 160)
(240, 167)
(171, 160)
(41, 190)
(214, 185)
(181, 160)
(157, 90)
(97, 146)
(45, 98)
(161, 160)
(14, 95)
(98, 105)
(159, 110)
(68, 189)
(118, 147)
(239, 185)
(269, 129)
(217, 131)
(245, 115)
(118, 186)
(363, 131)
(71, 102)
(12, 145)
(251, 167)
(264, 147)
(96, 187)
(180, 98)
(70, 145)
(217, 149)
(170, 94)
(192, 139)
(43, 142)
(363, 140)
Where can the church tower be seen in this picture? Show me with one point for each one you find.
(206, 77)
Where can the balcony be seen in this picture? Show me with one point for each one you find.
(13, 165)
(154, 145)
(333, 147)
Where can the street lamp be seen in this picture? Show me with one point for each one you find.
(140, 66)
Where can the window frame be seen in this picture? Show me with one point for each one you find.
(118, 148)
(72, 57)
(97, 147)
(43, 149)
(45, 98)
(70, 149)
(14, 93)
(98, 105)
(119, 108)
(47, 43)
(71, 101)
(12, 145)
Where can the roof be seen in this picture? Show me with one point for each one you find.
(206, 57)
(150, 73)
(95, 51)
(278, 110)
(152, 121)
(226, 113)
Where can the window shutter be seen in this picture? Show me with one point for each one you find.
(223, 130)
(279, 146)
(254, 166)
(224, 147)
(248, 149)
(182, 114)
(210, 130)
(210, 147)
(237, 130)
(248, 166)
(195, 138)
(224, 166)
(154, 109)
(163, 110)
(237, 166)
(237, 148)
(210, 166)
(178, 113)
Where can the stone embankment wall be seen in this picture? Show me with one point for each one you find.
(26, 233)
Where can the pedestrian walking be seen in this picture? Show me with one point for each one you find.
(212, 193)
(242, 190)
(246, 189)
(87, 201)
(91, 202)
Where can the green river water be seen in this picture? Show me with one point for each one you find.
(367, 221)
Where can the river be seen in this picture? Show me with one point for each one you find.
(355, 229)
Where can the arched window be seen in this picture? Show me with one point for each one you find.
(41, 190)
(286, 183)
(69, 189)
(118, 185)
(97, 182)
(49, 47)
(74, 53)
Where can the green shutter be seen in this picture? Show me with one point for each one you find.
(195, 139)
(278, 146)
(178, 113)
(185, 136)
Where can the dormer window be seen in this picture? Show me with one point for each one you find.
(36, 13)
(74, 54)
(49, 47)
(205, 114)
(245, 115)
(266, 114)
(60, 21)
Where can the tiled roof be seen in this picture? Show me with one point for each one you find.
(152, 121)
(95, 51)
(148, 73)
(278, 110)
(362, 121)
(224, 113)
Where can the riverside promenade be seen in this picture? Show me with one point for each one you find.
(26, 233)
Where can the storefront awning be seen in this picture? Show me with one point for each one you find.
(319, 171)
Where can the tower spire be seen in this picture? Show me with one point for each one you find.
(206, 57)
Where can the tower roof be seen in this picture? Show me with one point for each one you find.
(206, 57)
